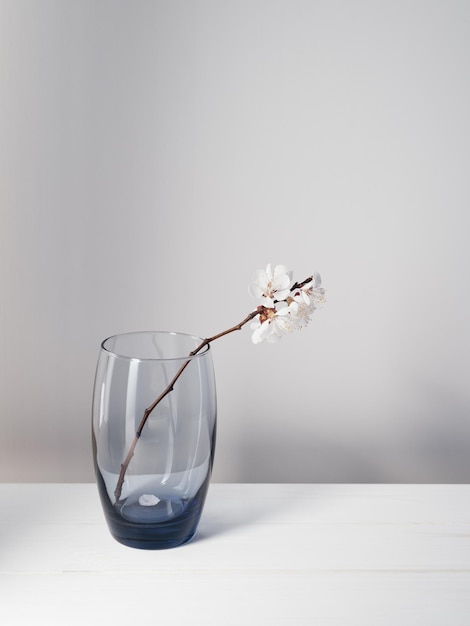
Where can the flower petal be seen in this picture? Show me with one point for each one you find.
(282, 294)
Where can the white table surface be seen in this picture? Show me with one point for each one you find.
(264, 555)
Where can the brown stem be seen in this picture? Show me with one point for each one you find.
(300, 285)
(148, 411)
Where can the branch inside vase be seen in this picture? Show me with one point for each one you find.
(282, 309)
(169, 389)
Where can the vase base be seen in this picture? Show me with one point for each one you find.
(144, 543)
(163, 511)
(169, 524)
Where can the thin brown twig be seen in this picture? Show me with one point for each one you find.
(300, 285)
(125, 464)
(149, 410)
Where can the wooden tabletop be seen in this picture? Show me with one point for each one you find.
(276, 554)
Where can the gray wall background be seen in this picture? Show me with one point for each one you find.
(154, 154)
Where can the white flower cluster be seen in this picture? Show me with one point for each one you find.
(284, 306)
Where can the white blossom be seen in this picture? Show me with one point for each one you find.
(271, 285)
(283, 308)
(273, 323)
(310, 295)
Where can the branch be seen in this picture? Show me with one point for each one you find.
(125, 464)
(149, 410)
(300, 285)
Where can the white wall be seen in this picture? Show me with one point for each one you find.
(154, 154)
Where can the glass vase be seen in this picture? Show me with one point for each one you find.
(153, 485)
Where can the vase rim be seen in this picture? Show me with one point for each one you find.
(183, 357)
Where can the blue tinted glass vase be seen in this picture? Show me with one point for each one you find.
(157, 501)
